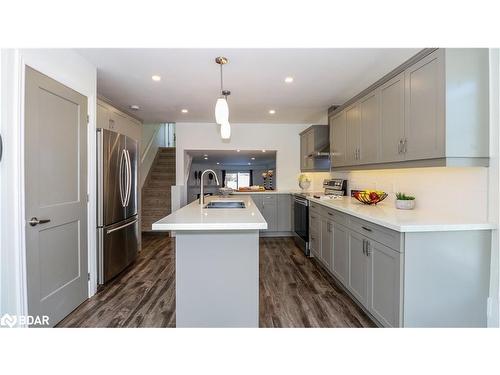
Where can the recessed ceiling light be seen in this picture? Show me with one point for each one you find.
(238, 150)
(289, 79)
(253, 158)
(184, 110)
(272, 111)
(263, 150)
(156, 78)
(249, 163)
(205, 158)
(134, 107)
(218, 163)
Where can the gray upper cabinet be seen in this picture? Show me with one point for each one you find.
(392, 119)
(431, 111)
(338, 139)
(369, 128)
(315, 139)
(424, 109)
(353, 131)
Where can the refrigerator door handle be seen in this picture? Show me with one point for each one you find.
(129, 179)
(120, 182)
(121, 226)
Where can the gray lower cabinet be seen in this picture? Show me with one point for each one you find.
(327, 243)
(270, 212)
(358, 267)
(277, 211)
(384, 283)
(284, 223)
(421, 279)
(340, 268)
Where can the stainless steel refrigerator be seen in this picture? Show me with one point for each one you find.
(117, 219)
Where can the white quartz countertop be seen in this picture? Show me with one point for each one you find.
(385, 214)
(194, 217)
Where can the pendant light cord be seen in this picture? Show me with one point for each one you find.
(221, 82)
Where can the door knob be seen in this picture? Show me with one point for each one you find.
(34, 221)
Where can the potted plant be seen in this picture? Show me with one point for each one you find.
(405, 202)
(304, 182)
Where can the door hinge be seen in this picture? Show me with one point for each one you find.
(88, 276)
(88, 119)
(88, 197)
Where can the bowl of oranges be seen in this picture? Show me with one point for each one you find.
(370, 196)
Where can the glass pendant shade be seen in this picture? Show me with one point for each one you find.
(225, 130)
(221, 111)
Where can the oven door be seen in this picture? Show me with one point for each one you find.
(301, 223)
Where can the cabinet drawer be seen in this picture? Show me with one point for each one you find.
(376, 232)
(313, 206)
(336, 216)
(314, 221)
(270, 199)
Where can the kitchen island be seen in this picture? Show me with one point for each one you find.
(217, 263)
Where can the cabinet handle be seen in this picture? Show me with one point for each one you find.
(367, 229)
(368, 252)
(405, 146)
(400, 146)
(329, 213)
(364, 246)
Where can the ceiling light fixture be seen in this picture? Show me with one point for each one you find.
(253, 158)
(289, 79)
(134, 107)
(221, 107)
(272, 111)
(205, 158)
(263, 150)
(156, 78)
(218, 163)
(184, 111)
(238, 150)
(249, 163)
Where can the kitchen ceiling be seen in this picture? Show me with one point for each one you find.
(190, 80)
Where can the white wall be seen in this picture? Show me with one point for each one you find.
(72, 70)
(284, 138)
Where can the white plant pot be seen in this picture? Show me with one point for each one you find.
(405, 204)
(304, 185)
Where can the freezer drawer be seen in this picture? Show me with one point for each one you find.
(118, 248)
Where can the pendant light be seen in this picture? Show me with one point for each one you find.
(221, 107)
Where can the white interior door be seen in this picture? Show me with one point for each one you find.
(55, 196)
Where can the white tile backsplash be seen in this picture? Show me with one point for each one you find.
(458, 191)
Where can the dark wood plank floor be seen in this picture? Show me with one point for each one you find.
(294, 291)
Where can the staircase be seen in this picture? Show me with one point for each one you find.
(156, 200)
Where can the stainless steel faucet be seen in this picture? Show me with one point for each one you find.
(202, 196)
